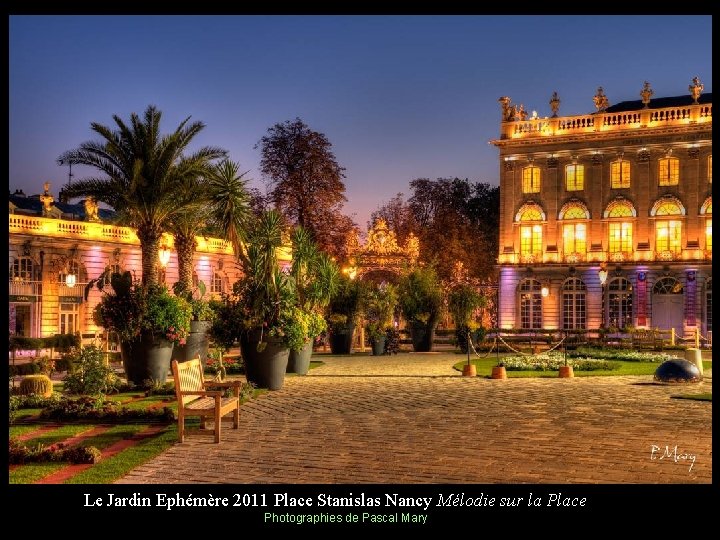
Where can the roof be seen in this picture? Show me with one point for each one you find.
(32, 205)
(659, 103)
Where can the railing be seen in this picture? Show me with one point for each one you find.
(76, 290)
(25, 288)
(603, 121)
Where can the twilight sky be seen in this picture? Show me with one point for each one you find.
(400, 97)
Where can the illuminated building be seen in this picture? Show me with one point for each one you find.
(606, 218)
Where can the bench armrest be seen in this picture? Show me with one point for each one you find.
(207, 393)
(226, 384)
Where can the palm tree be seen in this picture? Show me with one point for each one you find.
(221, 207)
(142, 171)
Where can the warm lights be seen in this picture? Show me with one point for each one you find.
(70, 280)
(603, 275)
(164, 256)
(544, 291)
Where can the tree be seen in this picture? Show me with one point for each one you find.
(306, 182)
(221, 207)
(142, 170)
(399, 217)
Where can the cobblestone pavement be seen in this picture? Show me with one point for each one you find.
(412, 419)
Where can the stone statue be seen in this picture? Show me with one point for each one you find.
(47, 200)
(646, 93)
(505, 107)
(554, 104)
(521, 112)
(696, 89)
(91, 210)
(601, 100)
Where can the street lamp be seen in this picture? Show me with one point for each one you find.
(544, 291)
(164, 255)
(602, 275)
(70, 280)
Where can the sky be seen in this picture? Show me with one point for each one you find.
(399, 97)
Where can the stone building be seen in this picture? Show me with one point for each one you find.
(606, 218)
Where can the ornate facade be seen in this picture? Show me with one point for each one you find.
(606, 218)
(56, 248)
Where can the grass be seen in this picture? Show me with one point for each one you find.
(484, 369)
(705, 396)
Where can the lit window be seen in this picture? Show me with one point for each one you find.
(620, 174)
(574, 210)
(620, 237)
(575, 238)
(530, 212)
(708, 305)
(531, 239)
(574, 305)
(531, 180)
(69, 318)
(217, 283)
(530, 302)
(22, 269)
(669, 171)
(710, 168)
(575, 177)
(667, 236)
(621, 208)
(708, 234)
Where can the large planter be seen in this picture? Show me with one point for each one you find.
(146, 359)
(299, 361)
(378, 346)
(423, 336)
(196, 344)
(266, 368)
(341, 342)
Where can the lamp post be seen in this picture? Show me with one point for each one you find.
(164, 255)
(602, 275)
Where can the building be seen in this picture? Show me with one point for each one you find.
(606, 218)
(56, 248)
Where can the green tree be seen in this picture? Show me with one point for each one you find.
(141, 171)
(306, 182)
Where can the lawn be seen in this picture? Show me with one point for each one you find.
(705, 396)
(484, 369)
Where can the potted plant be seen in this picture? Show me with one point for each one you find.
(197, 342)
(565, 370)
(420, 299)
(148, 320)
(379, 308)
(463, 301)
(315, 278)
(344, 310)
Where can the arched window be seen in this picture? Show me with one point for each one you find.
(23, 269)
(574, 305)
(668, 231)
(619, 297)
(669, 171)
(706, 210)
(574, 234)
(709, 165)
(620, 228)
(530, 217)
(530, 302)
(667, 285)
(574, 177)
(531, 179)
(620, 174)
(218, 282)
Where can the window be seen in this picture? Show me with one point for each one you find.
(574, 306)
(531, 180)
(574, 238)
(710, 168)
(73, 267)
(22, 269)
(620, 208)
(706, 210)
(218, 283)
(531, 240)
(708, 305)
(668, 285)
(575, 177)
(669, 171)
(69, 318)
(620, 174)
(667, 236)
(530, 297)
(620, 237)
(619, 303)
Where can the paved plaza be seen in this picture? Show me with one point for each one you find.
(413, 419)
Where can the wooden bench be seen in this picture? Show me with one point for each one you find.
(194, 398)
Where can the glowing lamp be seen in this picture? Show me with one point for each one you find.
(70, 280)
(164, 256)
(602, 274)
(544, 291)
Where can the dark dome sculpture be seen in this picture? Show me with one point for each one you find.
(677, 371)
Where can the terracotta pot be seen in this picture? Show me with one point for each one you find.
(566, 372)
(498, 372)
(469, 371)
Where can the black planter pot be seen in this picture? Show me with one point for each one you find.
(299, 361)
(266, 368)
(196, 344)
(378, 346)
(146, 358)
(341, 342)
(423, 336)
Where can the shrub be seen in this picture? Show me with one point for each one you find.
(36, 384)
(89, 373)
(155, 388)
(33, 401)
(99, 409)
(18, 453)
(420, 296)
(30, 368)
(392, 341)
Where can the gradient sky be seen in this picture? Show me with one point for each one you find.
(400, 97)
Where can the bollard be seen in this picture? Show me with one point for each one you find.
(694, 356)
(697, 341)
(672, 336)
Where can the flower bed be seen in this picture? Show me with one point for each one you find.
(19, 454)
(623, 355)
(553, 362)
(86, 408)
